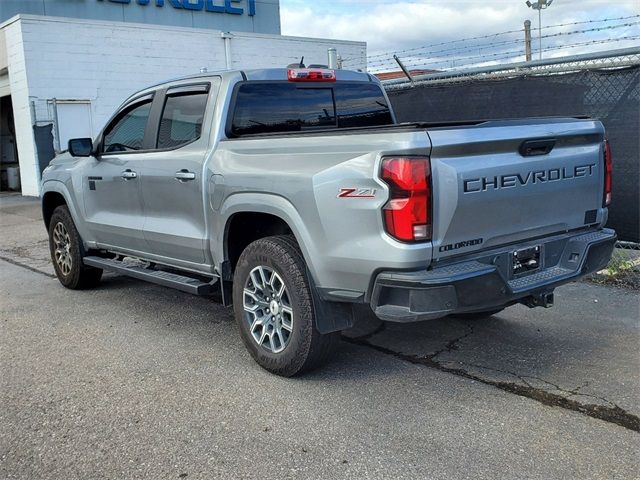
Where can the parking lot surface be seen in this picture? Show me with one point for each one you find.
(132, 380)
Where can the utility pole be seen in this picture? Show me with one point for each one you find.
(527, 40)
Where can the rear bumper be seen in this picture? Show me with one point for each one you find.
(485, 282)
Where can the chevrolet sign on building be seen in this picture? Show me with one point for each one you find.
(65, 66)
(225, 6)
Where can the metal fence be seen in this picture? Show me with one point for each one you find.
(624, 267)
(604, 86)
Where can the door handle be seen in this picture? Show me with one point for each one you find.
(128, 174)
(184, 175)
(530, 148)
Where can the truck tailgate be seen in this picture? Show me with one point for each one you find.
(503, 182)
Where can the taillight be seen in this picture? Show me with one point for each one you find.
(608, 170)
(407, 214)
(311, 75)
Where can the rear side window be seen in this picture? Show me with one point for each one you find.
(361, 105)
(182, 118)
(280, 107)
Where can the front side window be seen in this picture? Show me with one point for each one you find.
(126, 132)
(182, 118)
(281, 107)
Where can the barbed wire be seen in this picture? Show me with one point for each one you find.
(598, 29)
(476, 47)
(448, 54)
(406, 50)
(457, 49)
(481, 37)
(584, 22)
(500, 34)
(515, 53)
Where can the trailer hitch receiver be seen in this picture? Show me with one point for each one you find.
(544, 299)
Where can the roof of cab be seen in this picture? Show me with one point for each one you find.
(268, 74)
(264, 74)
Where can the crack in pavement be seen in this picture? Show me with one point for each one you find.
(452, 345)
(20, 264)
(523, 378)
(612, 414)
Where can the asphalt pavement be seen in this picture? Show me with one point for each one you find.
(132, 380)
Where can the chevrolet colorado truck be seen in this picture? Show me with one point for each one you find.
(293, 195)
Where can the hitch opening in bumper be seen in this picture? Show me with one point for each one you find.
(544, 300)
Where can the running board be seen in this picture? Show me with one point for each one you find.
(159, 277)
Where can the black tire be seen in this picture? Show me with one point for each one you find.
(306, 348)
(72, 274)
(478, 315)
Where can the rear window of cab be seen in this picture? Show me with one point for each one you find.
(282, 107)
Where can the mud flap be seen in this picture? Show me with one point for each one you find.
(330, 316)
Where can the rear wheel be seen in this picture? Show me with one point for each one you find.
(67, 252)
(274, 308)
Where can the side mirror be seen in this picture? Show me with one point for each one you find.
(80, 147)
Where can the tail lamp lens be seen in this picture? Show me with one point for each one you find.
(407, 214)
(608, 170)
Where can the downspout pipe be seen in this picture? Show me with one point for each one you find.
(227, 36)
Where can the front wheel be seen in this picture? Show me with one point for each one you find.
(67, 252)
(274, 308)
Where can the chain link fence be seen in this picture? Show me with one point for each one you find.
(624, 268)
(604, 86)
(611, 59)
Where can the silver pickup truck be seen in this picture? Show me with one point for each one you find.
(293, 195)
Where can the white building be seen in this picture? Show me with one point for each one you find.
(63, 77)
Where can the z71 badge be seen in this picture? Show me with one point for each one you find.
(357, 193)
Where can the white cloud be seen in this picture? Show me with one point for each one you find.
(391, 26)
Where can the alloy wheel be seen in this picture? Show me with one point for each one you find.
(62, 248)
(268, 309)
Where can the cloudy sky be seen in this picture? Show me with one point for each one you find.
(407, 24)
